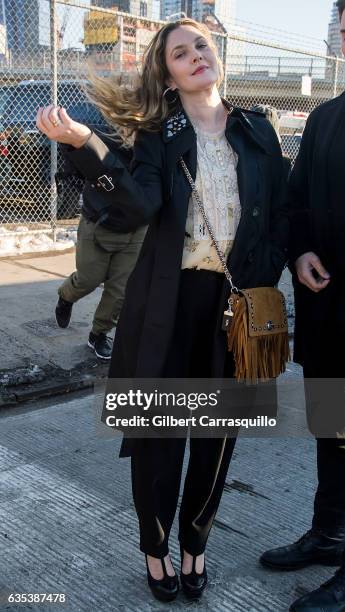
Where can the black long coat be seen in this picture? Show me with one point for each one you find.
(313, 221)
(157, 192)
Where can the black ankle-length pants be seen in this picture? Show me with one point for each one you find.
(329, 503)
(157, 464)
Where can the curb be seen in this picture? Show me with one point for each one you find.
(35, 254)
(51, 382)
(35, 383)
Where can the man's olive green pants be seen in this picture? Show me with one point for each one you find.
(102, 256)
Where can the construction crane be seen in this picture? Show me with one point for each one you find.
(62, 29)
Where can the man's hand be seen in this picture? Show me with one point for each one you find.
(305, 265)
(55, 123)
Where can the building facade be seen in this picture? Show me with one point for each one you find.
(191, 8)
(22, 21)
(141, 8)
(197, 9)
(225, 10)
(334, 38)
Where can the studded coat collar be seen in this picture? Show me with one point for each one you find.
(178, 123)
(174, 124)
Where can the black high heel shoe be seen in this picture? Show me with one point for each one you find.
(166, 588)
(193, 584)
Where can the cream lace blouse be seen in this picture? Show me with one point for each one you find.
(216, 182)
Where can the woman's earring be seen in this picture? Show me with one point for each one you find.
(168, 95)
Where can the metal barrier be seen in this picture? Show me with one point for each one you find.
(45, 51)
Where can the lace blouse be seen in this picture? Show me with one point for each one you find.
(216, 182)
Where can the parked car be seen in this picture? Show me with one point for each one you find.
(290, 145)
(28, 151)
(5, 166)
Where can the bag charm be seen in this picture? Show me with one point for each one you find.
(228, 316)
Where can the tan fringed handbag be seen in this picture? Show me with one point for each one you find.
(255, 321)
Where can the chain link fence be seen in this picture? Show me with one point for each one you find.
(46, 47)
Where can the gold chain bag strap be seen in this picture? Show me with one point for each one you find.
(255, 321)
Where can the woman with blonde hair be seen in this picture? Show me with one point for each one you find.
(171, 321)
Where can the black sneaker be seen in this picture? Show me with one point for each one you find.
(63, 312)
(101, 344)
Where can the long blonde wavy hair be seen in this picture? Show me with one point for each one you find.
(143, 105)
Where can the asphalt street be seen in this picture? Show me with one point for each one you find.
(68, 525)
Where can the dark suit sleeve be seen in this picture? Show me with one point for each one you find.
(298, 198)
(279, 223)
(138, 192)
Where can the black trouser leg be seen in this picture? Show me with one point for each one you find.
(157, 465)
(156, 478)
(207, 469)
(329, 506)
(323, 416)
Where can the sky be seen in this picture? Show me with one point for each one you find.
(304, 17)
(309, 17)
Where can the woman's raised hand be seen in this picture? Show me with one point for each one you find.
(54, 122)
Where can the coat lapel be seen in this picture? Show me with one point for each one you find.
(240, 133)
(256, 137)
(181, 142)
(246, 166)
(179, 135)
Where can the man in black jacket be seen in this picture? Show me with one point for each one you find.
(317, 259)
(105, 254)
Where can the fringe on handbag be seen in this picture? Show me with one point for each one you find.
(258, 334)
(255, 321)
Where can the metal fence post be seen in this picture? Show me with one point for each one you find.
(311, 67)
(225, 64)
(121, 44)
(53, 146)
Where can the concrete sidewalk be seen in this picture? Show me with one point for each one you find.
(36, 356)
(68, 523)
